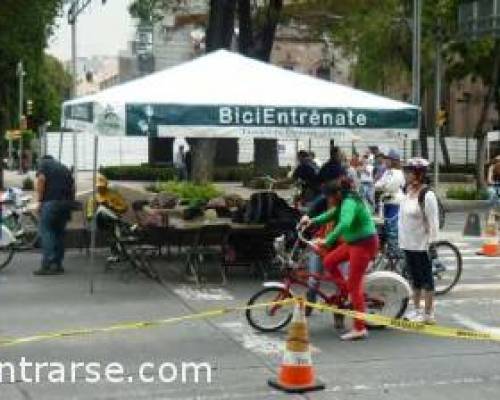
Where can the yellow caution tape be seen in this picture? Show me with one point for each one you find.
(7, 342)
(380, 320)
(409, 326)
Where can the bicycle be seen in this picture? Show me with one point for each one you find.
(19, 227)
(386, 293)
(447, 265)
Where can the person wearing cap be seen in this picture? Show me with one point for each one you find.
(390, 186)
(418, 229)
(107, 197)
(493, 181)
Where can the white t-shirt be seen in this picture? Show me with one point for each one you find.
(415, 232)
(392, 184)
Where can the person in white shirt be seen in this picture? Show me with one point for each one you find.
(180, 164)
(390, 186)
(418, 229)
(367, 189)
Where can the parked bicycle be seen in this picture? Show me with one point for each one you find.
(386, 292)
(19, 226)
(446, 261)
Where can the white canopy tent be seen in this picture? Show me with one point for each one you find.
(224, 94)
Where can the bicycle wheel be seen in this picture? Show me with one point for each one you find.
(387, 294)
(28, 224)
(269, 318)
(446, 266)
(6, 255)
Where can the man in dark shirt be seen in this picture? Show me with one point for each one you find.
(332, 169)
(306, 174)
(55, 192)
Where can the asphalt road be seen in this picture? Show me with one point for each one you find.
(389, 365)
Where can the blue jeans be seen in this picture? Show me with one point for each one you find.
(367, 192)
(315, 266)
(391, 231)
(54, 216)
(494, 196)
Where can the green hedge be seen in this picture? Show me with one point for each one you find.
(463, 193)
(146, 173)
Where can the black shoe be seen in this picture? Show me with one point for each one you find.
(44, 271)
(58, 270)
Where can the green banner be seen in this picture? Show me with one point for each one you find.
(144, 119)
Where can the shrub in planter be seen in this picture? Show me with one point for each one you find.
(138, 173)
(28, 184)
(464, 193)
(186, 191)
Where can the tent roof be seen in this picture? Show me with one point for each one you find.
(226, 78)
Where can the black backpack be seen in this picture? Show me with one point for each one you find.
(260, 208)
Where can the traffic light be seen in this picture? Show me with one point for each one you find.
(29, 107)
(441, 118)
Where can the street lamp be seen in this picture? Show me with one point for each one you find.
(21, 73)
(75, 9)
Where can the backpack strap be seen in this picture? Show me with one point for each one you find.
(421, 202)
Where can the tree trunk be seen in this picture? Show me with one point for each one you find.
(444, 150)
(245, 40)
(219, 36)
(264, 39)
(203, 155)
(424, 148)
(266, 156)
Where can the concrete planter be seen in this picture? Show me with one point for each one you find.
(465, 205)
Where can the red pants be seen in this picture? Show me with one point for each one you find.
(358, 255)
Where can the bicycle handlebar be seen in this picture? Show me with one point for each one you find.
(308, 243)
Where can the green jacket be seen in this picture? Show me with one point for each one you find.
(354, 221)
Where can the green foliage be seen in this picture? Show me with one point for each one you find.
(28, 184)
(150, 11)
(144, 173)
(464, 193)
(188, 192)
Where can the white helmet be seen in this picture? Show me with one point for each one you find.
(417, 163)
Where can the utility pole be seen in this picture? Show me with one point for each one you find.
(440, 116)
(416, 51)
(416, 57)
(21, 74)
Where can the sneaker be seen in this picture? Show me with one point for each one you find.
(311, 298)
(354, 335)
(429, 319)
(414, 315)
(58, 270)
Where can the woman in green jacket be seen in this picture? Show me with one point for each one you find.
(355, 226)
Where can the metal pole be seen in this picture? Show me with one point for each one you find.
(73, 59)
(438, 109)
(20, 69)
(93, 225)
(75, 160)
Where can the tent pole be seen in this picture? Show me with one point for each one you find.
(61, 138)
(75, 160)
(93, 225)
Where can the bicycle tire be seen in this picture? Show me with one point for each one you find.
(254, 300)
(459, 265)
(31, 237)
(9, 252)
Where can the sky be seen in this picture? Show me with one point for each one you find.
(102, 30)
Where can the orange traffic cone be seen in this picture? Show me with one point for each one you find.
(491, 247)
(296, 373)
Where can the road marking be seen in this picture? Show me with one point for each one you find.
(475, 301)
(471, 287)
(203, 294)
(257, 342)
(471, 324)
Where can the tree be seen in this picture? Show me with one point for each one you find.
(257, 29)
(25, 26)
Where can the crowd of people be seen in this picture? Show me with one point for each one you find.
(342, 197)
